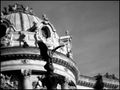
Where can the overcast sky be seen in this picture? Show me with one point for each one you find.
(94, 26)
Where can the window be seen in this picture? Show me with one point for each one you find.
(3, 27)
(46, 32)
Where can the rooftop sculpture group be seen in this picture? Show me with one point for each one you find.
(16, 8)
(99, 85)
(109, 76)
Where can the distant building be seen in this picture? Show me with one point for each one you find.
(21, 64)
(88, 82)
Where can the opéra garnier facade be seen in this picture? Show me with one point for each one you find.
(22, 65)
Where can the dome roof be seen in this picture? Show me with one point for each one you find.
(22, 18)
(21, 27)
(22, 21)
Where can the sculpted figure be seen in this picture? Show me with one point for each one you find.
(99, 85)
(51, 80)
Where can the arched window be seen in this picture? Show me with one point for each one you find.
(4, 24)
(46, 32)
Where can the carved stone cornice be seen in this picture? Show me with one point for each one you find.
(37, 57)
(33, 53)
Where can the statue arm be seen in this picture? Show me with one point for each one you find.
(57, 48)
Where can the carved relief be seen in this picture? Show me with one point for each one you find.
(5, 36)
(38, 83)
(8, 82)
(5, 41)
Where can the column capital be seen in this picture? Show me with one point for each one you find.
(26, 72)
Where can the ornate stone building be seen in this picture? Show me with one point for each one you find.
(21, 63)
(22, 66)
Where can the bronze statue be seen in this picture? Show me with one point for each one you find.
(99, 85)
(10, 8)
(33, 28)
(51, 79)
(44, 17)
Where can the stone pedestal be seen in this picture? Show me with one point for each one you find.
(27, 84)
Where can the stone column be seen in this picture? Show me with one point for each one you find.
(27, 83)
